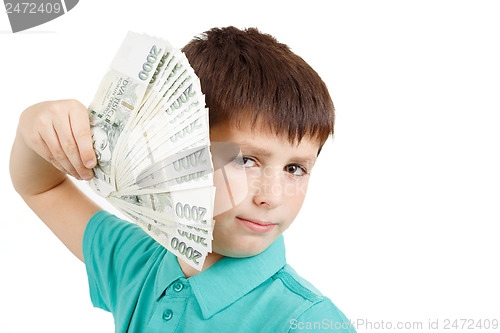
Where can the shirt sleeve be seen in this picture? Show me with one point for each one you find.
(322, 316)
(115, 252)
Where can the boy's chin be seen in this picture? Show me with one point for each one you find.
(243, 249)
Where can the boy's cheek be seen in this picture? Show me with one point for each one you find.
(290, 188)
(231, 188)
(233, 185)
(296, 189)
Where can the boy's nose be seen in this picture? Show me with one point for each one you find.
(268, 188)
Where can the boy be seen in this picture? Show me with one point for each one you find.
(263, 98)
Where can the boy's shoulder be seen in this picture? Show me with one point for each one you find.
(314, 308)
(298, 284)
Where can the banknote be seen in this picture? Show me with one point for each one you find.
(189, 207)
(152, 145)
(147, 137)
(183, 249)
(151, 137)
(161, 147)
(120, 93)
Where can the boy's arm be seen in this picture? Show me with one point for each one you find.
(53, 139)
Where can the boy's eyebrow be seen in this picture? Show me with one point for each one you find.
(265, 153)
(254, 149)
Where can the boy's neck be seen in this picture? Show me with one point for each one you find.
(190, 271)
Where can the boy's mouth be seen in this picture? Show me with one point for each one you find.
(256, 221)
(256, 225)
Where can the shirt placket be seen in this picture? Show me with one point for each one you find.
(170, 308)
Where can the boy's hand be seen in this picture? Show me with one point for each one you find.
(59, 131)
(54, 139)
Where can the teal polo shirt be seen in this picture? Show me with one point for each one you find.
(142, 285)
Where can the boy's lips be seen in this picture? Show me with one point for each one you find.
(255, 221)
(257, 225)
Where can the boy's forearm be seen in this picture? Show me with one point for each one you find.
(30, 173)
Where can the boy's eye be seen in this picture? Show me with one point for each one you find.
(248, 162)
(296, 170)
(244, 161)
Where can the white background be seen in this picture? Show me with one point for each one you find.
(401, 219)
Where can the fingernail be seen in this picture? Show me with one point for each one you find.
(87, 177)
(89, 164)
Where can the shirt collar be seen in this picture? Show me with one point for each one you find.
(227, 280)
(168, 272)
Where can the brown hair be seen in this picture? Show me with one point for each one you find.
(248, 75)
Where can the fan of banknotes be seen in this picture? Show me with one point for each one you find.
(151, 138)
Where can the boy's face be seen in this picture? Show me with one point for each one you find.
(267, 185)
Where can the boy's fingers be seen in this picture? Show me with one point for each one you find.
(57, 154)
(80, 126)
(69, 146)
(44, 151)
